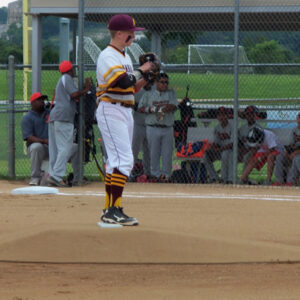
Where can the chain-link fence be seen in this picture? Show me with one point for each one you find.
(21, 105)
(197, 49)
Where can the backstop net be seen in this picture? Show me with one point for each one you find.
(91, 51)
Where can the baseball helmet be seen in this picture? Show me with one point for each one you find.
(65, 66)
(255, 136)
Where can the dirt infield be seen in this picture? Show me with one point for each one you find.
(193, 241)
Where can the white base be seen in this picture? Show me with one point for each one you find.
(107, 225)
(35, 190)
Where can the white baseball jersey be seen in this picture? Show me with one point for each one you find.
(114, 120)
(112, 64)
(270, 141)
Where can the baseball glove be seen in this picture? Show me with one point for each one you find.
(152, 74)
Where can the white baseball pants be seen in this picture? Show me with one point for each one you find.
(115, 123)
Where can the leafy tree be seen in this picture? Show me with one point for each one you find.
(269, 52)
(50, 26)
(3, 15)
(14, 35)
(14, 50)
(179, 55)
(49, 55)
(173, 39)
(3, 59)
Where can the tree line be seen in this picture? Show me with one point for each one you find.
(260, 47)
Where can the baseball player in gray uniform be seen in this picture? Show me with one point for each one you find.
(139, 132)
(159, 105)
(61, 127)
(292, 154)
(221, 149)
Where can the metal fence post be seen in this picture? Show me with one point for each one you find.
(236, 90)
(80, 86)
(11, 127)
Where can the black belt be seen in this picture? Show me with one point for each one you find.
(123, 104)
(159, 126)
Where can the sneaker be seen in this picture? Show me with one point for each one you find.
(54, 182)
(276, 183)
(267, 182)
(34, 182)
(247, 182)
(76, 183)
(152, 179)
(44, 181)
(163, 179)
(115, 215)
(213, 180)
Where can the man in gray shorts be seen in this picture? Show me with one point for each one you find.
(61, 127)
(160, 104)
(35, 132)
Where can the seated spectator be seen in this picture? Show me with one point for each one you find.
(250, 114)
(221, 149)
(264, 149)
(290, 155)
(35, 132)
(160, 104)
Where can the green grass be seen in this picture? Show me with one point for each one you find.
(202, 86)
(221, 86)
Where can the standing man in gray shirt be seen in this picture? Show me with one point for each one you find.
(160, 104)
(139, 138)
(61, 127)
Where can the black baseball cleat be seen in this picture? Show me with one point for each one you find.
(103, 214)
(115, 215)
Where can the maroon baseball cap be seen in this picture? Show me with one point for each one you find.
(123, 23)
(251, 109)
(222, 110)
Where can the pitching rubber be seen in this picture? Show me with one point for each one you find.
(106, 225)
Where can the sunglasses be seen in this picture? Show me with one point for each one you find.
(164, 81)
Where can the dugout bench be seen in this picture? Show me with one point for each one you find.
(194, 134)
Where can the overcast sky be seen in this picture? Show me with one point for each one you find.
(5, 2)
